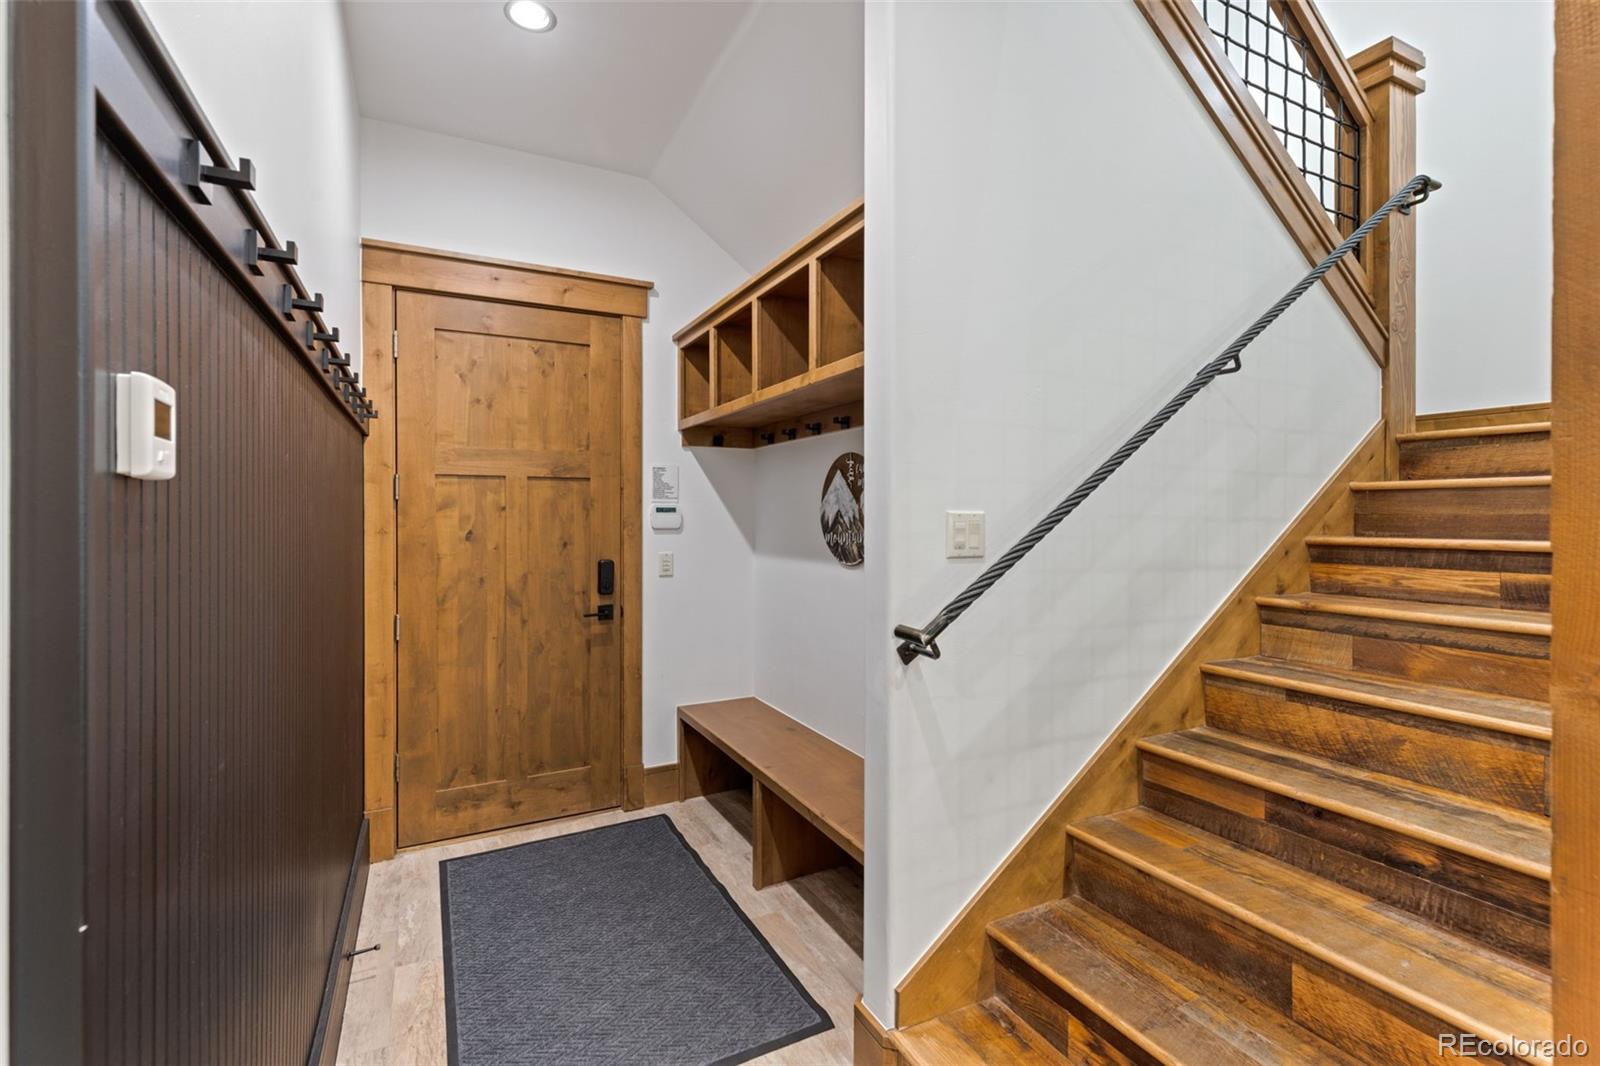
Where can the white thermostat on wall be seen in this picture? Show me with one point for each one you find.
(147, 427)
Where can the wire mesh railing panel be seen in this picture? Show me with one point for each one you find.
(1277, 63)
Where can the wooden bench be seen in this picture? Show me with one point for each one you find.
(807, 793)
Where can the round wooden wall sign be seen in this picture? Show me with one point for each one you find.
(841, 509)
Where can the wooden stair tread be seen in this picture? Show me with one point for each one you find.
(1451, 978)
(987, 1031)
(1468, 432)
(1520, 481)
(1417, 612)
(1170, 1007)
(1504, 714)
(1508, 838)
(1441, 544)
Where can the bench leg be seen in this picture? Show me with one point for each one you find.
(703, 769)
(786, 844)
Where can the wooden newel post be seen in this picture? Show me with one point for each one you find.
(1387, 72)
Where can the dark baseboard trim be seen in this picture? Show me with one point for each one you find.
(325, 1041)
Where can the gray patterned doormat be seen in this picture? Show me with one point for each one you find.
(614, 946)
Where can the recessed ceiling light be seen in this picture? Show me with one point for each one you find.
(531, 15)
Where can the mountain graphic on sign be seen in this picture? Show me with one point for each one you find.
(841, 519)
(839, 501)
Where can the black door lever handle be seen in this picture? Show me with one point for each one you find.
(605, 612)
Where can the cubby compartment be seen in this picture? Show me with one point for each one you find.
(734, 341)
(780, 357)
(694, 383)
(783, 329)
(840, 273)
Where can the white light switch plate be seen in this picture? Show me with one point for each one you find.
(963, 534)
(664, 564)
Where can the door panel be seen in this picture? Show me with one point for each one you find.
(509, 459)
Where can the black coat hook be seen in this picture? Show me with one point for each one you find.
(330, 358)
(769, 437)
(814, 428)
(842, 421)
(313, 335)
(255, 252)
(289, 303)
(195, 175)
(791, 433)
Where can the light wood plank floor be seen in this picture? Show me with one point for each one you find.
(395, 1011)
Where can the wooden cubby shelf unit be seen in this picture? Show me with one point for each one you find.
(781, 356)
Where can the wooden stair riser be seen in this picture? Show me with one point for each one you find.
(1507, 910)
(1501, 455)
(1482, 764)
(1517, 580)
(1336, 1006)
(987, 1031)
(1518, 512)
(1510, 664)
(1072, 1027)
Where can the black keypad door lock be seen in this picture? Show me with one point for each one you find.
(605, 612)
(606, 580)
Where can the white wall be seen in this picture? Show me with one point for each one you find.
(808, 614)
(1484, 127)
(302, 133)
(1041, 277)
(428, 189)
(772, 144)
(771, 147)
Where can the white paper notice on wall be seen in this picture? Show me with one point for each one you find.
(664, 512)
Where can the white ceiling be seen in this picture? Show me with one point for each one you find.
(607, 87)
(747, 115)
(773, 144)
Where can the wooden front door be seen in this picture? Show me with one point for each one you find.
(510, 465)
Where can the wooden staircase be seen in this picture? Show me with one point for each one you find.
(1352, 855)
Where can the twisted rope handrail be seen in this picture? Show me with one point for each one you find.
(915, 642)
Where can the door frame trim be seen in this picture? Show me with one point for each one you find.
(1575, 641)
(386, 269)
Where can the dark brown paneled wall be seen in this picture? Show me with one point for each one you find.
(224, 646)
